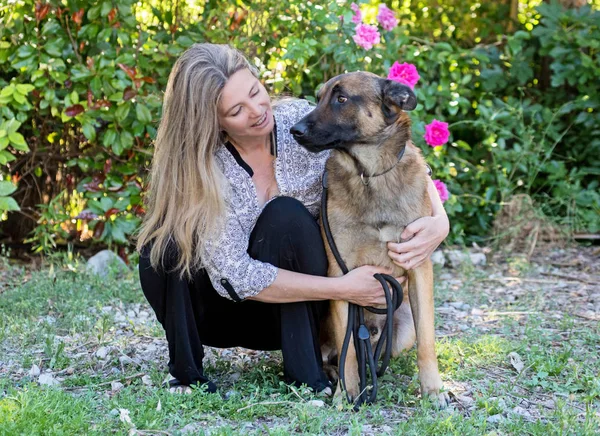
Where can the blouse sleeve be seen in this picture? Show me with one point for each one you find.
(232, 272)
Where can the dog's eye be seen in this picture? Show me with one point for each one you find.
(342, 99)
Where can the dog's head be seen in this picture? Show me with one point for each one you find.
(355, 108)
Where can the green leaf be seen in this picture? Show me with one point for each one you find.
(89, 131)
(17, 140)
(8, 204)
(6, 188)
(106, 203)
(122, 112)
(110, 137)
(7, 91)
(19, 98)
(143, 114)
(24, 88)
(126, 139)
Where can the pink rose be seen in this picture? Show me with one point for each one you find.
(404, 73)
(366, 36)
(442, 190)
(436, 133)
(357, 18)
(386, 17)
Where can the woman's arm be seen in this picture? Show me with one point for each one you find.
(422, 236)
(358, 287)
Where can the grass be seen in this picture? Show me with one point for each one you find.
(58, 320)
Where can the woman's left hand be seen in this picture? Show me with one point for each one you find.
(422, 237)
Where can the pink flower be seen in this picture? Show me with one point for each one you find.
(386, 17)
(357, 18)
(366, 36)
(404, 73)
(442, 190)
(436, 133)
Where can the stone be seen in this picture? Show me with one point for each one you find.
(48, 379)
(116, 386)
(34, 371)
(106, 262)
(102, 352)
(438, 258)
(457, 257)
(494, 419)
(316, 403)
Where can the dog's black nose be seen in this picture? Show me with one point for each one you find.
(299, 129)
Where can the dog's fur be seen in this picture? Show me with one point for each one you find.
(362, 118)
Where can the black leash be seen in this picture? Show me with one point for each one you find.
(367, 360)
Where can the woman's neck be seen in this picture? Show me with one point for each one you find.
(249, 146)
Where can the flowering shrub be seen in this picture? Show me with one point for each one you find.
(442, 189)
(436, 133)
(81, 94)
(386, 17)
(404, 73)
(366, 36)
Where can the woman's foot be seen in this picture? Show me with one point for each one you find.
(177, 387)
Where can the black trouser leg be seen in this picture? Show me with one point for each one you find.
(173, 304)
(287, 236)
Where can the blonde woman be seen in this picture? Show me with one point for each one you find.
(231, 253)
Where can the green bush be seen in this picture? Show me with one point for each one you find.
(81, 92)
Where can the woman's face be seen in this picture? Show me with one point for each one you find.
(245, 107)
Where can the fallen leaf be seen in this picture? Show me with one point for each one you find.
(516, 361)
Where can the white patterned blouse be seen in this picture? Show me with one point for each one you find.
(233, 273)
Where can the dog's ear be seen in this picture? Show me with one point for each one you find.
(396, 97)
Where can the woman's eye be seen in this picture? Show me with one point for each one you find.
(254, 95)
(236, 112)
(342, 99)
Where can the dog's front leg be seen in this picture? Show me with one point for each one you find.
(339, 323)
(420, 292)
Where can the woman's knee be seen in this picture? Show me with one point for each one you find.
(288, 228)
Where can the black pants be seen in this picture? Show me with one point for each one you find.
(193, 314)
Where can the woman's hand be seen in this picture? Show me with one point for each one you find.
(422, 237)
(361, 288)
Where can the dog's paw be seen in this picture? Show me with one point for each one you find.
(331, 371)
(440, 400)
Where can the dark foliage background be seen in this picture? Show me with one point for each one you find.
(81, 87)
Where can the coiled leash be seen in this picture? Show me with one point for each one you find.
(367, 360)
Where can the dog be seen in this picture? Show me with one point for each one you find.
(377, 182)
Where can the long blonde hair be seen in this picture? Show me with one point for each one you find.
(186, 198)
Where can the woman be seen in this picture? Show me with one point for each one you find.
(231, 253)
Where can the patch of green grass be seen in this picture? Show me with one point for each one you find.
(560, 357)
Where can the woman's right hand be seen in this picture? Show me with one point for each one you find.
(361, 288)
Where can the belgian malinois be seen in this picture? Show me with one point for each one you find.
(377, 186)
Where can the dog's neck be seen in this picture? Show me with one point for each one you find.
(381, 155)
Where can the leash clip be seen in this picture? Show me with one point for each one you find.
(362, 179)
(363, 333)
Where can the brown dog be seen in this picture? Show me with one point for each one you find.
(377, 186)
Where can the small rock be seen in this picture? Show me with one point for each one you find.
(34, 371)
(116, 386)
(548, 404)
(316, 403)
(113, 412)
(230, 394)
(518, 410)
(192, 428)
(478, 259)
(494, 419)
(48, 379)
(438, 258)
(106, 261)
(147, 380)
(465, 401)
(102, 352)
(386, 429)
(477, 312)
(125, 360)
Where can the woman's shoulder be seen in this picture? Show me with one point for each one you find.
(291, 109)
